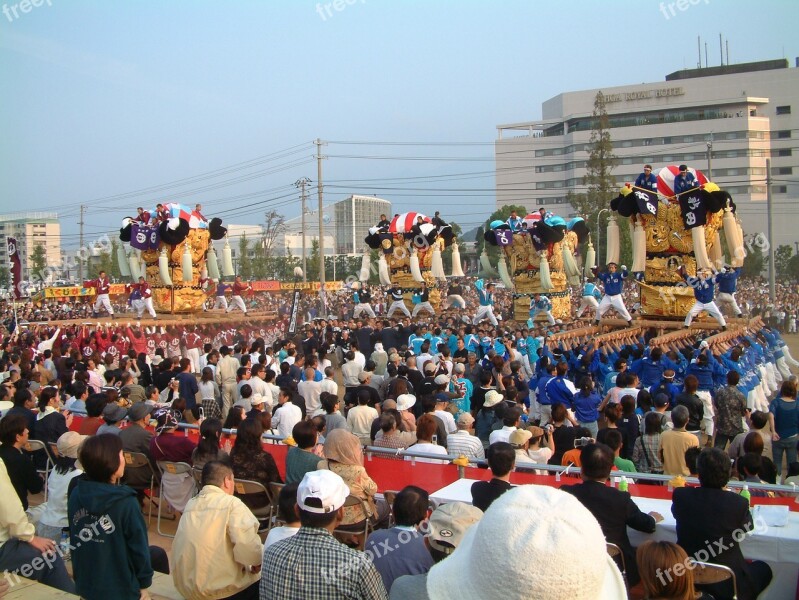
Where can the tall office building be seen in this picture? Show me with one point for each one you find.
(353, 218)
(32, 229)
(733, 117)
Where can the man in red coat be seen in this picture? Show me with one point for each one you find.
(236, 300)
(102, 287)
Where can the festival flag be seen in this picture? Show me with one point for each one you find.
(139, 237)
(15, 267)
(647, 202)
(693, 210)
(295, 307)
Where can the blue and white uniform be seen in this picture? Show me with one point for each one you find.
(486, 310)
(647, 182)
(703, 292)
(363, 304)
(590, 298)
(613, 282)
(683, 183)
(728, 282)
(397, 303)
(542, 305)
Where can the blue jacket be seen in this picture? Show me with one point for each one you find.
(728, 281)
(542, 304)
(486, 298)
(706, 374)
(665, 387)
(589, 289)
(541, 390)
(684, 183)
(648, 183)
(613, 282)
(703, 289)
(650, 372)
(585, 407)
(558, 392)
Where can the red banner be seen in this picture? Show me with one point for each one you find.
(266, 286)
(15, 267)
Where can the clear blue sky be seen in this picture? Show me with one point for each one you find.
(108, 98)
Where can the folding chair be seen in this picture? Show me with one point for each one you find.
(253, 492)
(618, 556)
(709, 574)
(33, 447)
(137, 460)
(274, 491)
(367, 522)
(173, 468)
(390, 496)
(197, 473)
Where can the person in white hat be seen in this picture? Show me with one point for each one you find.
(312, 564)
(54, 518)
(507, 547)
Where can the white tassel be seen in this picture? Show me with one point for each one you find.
(569, 264)
(457, 270)
(543, 273)
(488, 270)
(741, 241)
(122, 261)
(716, 255)
(366, 267)
(504, 275)
(437, 265)
(734, 242)
(639, 249)
(382, 268)
(700, 250)
(213, 264)
(133, 262)
(613, 241)
(185, 263)
(590, 259)
(416, 272)
(163, 267)
(227, 260)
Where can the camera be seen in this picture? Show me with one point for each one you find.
(583, 441)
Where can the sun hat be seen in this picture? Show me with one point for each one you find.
(69, 444)
(519, 437)
(441, 380)
(405, 401)
(506, 547)
(493, 398)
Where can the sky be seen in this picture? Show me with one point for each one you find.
(117, 104)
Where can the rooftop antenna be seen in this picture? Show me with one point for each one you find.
(721, 50)
(706, 63)
(699, 49)
(727, 43)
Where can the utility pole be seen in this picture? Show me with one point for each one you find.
(772, 292)
(319, 143)
(80, 250)
(301, 183)
(709, 157)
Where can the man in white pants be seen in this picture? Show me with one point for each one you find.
(540, 304)
(455, 297)
(146, 300)
(219, 299)
(363, 302)
(102, 287)
(728, 281)
(614, 284)
(237, 301)
(397, 302)
(424, 302)
(590, 298)
(703, 292)
(485, 293)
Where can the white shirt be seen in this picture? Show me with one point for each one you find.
(428, 448)
(329, 386)
(501, 435)
(360, 359)
(285, 418)
(310, 391)
(448, 420)
(360, 420)
(55, 515)
(277, 534)
(463, 442)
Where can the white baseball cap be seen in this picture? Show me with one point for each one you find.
(325, 487)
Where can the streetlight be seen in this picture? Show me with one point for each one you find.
(599, 235)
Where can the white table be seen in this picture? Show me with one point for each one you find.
(778, 546)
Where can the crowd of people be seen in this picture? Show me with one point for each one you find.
(469, 380)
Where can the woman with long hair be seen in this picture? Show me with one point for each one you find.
(209, 392)
(234, 417)
(784, 420)
(646, 456)
(658, 558)
(250, 460)
(54, 517)
(209, 447)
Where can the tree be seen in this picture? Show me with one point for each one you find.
(755, 261)
(793, 268)
(38, 260)
(113, 270)
(782, 257)
(313, 261)
(245, 260)
(5, 277)
(600, 183)
(104, 263)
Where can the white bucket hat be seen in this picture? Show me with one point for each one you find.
(508, 546)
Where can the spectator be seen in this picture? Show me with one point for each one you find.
(425, 432)
(629, 425)
(410, 555)
(758, 423)
(50, 423)
(389, 436)
(691, 454)
(463, 442)
(501, 460)
(19, 546)
(585, 404)
(331, 405)
(563, 434)
(344, 456)
(167, 445)
(645, 451)
(115, 559)
(510, 422)
(188, 384)
(784, 420)
(710, 512)
(250, 461)
(563, 531)
(656, 562)
(302, 566)
(216, 550)
(690, 400)
(18, 463)
(112, 414)
(614, 441)
(300, 458)
(446, 528)
(136, 438)
(287, 513)
(234, 418)
(359, 418)
(94, 410)
(24, 402)
(674, 442)
(614, 510)
(730, 406)
(210, 394)
(208, 448)
(286, 415)
(53, 519)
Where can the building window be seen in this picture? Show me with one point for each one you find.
(785, 152)
(785, 134)
(782, 171)
(783, 110)
(780, 189)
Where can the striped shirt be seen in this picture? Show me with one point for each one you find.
(462, 442)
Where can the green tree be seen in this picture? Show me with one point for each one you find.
(755, 261)
(313, 261)
(245, 260)
(5, 277)
(38, 260)
(793, 268)
(782, 258)
(113, 270)
(600, 183)
(105, 263)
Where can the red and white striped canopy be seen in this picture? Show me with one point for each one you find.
(532, 218)
(402, 223)
(666, 179)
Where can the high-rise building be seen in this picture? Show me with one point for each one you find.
(353, 218)
(32, 229)
(727, 119)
